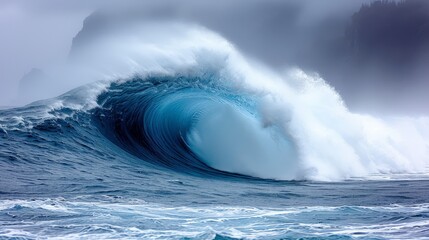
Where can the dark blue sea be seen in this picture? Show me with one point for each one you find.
(128, 167)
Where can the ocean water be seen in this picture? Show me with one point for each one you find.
(210, 146)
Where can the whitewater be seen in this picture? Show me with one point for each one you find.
(168, 131)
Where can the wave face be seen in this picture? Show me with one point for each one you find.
(191, 124)
(188, 126)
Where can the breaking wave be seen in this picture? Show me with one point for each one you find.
(194, 104)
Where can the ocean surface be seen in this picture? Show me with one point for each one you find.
(210, 146)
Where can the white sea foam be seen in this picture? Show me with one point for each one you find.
(138, 219)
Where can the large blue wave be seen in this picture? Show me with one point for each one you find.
(194, 104)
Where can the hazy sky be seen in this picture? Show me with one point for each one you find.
(33, 36)
(39, 33)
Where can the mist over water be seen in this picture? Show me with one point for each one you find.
(377, 68)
